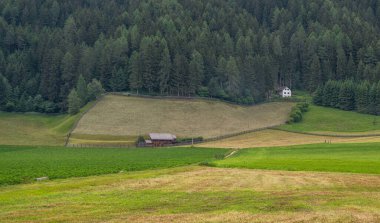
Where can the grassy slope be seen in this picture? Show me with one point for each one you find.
(35, 129)
(131, 116)
(354, 158)
(20, 164)
(195, 194)
(321, 119)
(271, 138)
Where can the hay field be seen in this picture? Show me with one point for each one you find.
(273, 138)
(197, 194)
(133, 116)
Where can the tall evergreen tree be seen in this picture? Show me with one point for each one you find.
(81, 90)
(196, 72)
(347, 96)
(362, 97)
(74, 102)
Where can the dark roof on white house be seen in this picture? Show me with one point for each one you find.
(162, 136)
(282, 88)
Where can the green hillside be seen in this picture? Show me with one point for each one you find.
(322, 119)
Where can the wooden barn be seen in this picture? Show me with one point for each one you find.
(161, 139)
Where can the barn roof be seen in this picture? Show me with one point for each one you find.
(162, 136)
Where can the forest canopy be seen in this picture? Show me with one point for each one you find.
(236, 50)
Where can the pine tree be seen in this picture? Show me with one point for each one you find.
(81, 90)
(74, 102)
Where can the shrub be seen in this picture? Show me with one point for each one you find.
(296, 115)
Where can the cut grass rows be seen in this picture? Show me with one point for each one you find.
(133, 116)
(196, 194)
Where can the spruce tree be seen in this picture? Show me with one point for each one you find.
(233, 78)
(135, 77)
(196, 72)
(118, 80)
(362, 97)
(347, 96)
(74, 102)
(165, 70)
(81, 90)
(95, 89)
(318, 96)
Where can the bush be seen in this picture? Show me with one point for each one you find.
(296, 115)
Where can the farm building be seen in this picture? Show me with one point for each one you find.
(284, 92)
(161, 139)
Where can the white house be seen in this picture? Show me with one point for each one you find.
(284, 92)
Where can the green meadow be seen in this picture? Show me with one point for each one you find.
(22, 164)
(322, 119)
(36, 129)
(352, 158)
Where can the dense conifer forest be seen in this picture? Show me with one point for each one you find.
(236, 50)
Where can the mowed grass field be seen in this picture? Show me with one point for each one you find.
(35, 129)
(329, 120)
(272, 138)
(352, 158)
(22, 164)
(133, 116)
(197, 194)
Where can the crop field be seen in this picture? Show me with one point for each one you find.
(197, 194)
(325, 120)
(353, 158)
(22, 164)
(132, 116)
(272, 138)
(35, 129)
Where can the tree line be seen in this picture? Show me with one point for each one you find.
(363, 97)
(232, 49)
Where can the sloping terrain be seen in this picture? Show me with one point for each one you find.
(269, 138)
(36, 129)
(133, 116)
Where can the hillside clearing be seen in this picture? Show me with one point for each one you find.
(133, 116)
(197, 194)
(272, 138)
(353, 158)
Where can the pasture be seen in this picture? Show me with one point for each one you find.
(134, 116)
(35, 129)
(272, 138)
(197, 194)
(352, 158)
(22, 164)
(330, 120)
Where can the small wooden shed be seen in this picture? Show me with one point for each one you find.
(162, 139)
